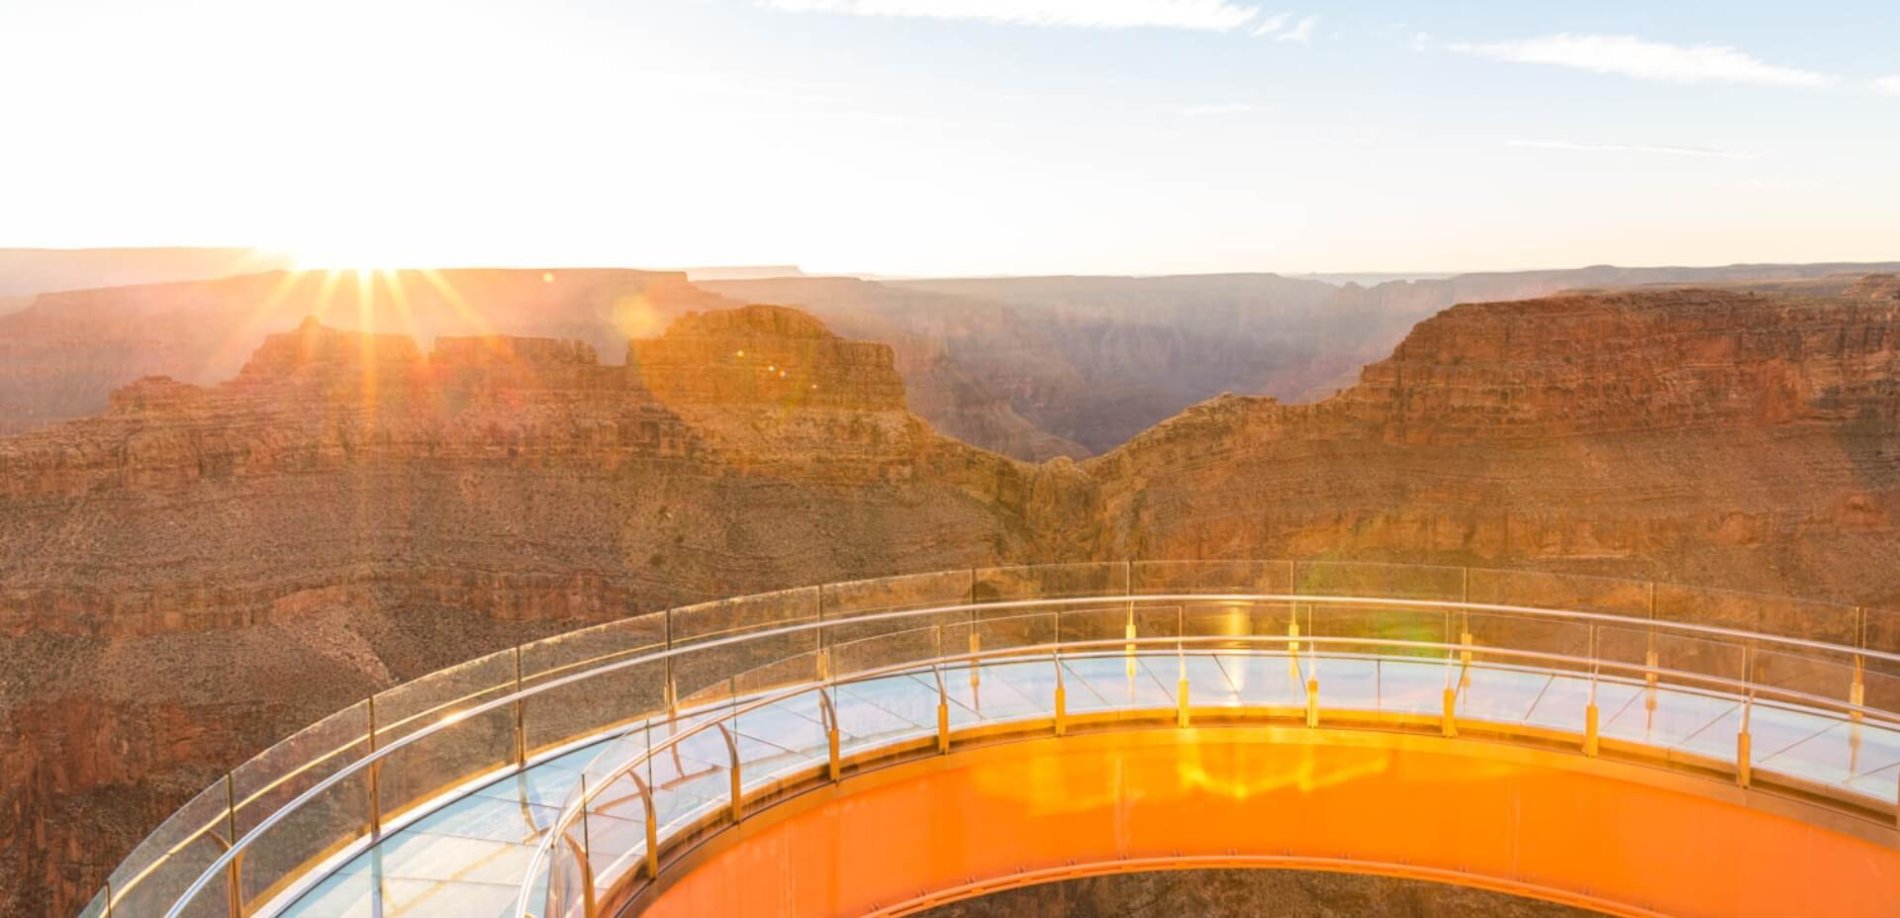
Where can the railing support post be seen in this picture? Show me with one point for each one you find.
(1744, 767)
(943, 714)
(1449, 724)
(234, 873)
(375, 779)
(833, 766)
(1857, 693)
(1312, 702)
(1590, 727)
(732, 753)
(1062, 697)
(1181, 703)
(521, 723)
(652, 826)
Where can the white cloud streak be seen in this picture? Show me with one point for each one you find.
(1628, 148)
(1207, 15)
(1888, 85)
(1301, 33)
(1218, 108)
(1646, 60)
(1271, 25)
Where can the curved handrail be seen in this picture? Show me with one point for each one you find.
(1743, 689)
(735, 636)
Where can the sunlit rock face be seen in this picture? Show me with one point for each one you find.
(1702, 436)
(204, 569)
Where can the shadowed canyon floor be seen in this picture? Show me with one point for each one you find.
(205, 568)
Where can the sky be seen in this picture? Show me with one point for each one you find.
(958, 137)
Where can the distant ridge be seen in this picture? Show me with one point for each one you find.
(24, 272)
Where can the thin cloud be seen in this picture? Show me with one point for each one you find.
(1628, 148)
(1421, 41)
(1271, 25)
(1888, 85)
(1207, 15)
(1301, 33)
(1218, 108)
(1646, 60)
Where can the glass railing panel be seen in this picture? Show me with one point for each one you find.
(782, 740)
(1242, 620)
(1008, 689)
(858, 598)
(420, 773)
(558, 716)
(1385, 630)
(880, 712)
(743, 614)
(1418, 687)
(1108, 621)
(169, 860)
(1208, 683)
(1562, 705)
(690, 776)
(1605, 595)
(1051, 581)
(276, 777)
(1880, 630)
(1347, 681)
(1801, 672)
(1270, 679)
(795, 669)
(1564, 644)
(746, 617)
(1117, 682)
(569, 887)
(1759, 613)
(1233, 577)
(295, 848)
(999, 629)
(896, 648)
(1391, 581)
(1678, 718)
(1654, 653)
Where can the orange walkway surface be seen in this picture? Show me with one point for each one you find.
(1613, 836)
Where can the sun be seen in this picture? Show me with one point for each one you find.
(361, 256)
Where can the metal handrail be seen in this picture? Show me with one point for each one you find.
(1745, 691)
(738, 636)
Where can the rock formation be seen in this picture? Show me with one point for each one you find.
(1700, 436)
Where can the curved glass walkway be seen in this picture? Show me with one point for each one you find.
(552, 778)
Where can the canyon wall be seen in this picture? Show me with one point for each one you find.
(1708, 437)
(204, 569)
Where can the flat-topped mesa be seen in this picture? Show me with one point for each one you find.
(315, 351)
(1640, 360)
(496, 363)
(766, 355)
(1874, 287)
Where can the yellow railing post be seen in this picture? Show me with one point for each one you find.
(1449, 725)
(1590, 726)
(1181, 703)
(1312, 702)
(943, 713)
(1062, 699)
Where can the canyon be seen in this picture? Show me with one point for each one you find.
(208, 564)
